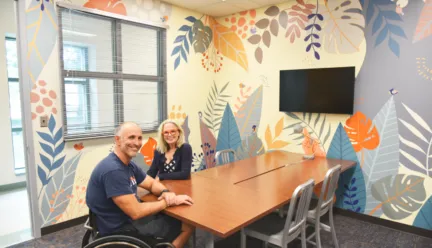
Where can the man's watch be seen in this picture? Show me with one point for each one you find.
(163, 191)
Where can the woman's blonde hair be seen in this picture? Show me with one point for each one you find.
(162, 145)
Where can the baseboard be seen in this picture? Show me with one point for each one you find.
(12, 186)
(385, 223)
(63, 225)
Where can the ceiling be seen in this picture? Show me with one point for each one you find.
(219, 8)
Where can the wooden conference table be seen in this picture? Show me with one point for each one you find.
(230, 197)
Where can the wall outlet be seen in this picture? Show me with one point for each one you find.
(44, 121)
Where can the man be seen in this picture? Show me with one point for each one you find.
(112, 194)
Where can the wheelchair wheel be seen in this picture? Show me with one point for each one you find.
(117, 241)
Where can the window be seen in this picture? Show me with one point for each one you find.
(77, 90)
(15, 105)
(113, 71)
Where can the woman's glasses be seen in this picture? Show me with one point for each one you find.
(172, 133)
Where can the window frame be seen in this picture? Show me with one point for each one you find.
(18, 170)
(117, 75)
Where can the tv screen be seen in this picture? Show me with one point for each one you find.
(324, 90)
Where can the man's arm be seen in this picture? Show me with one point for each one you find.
(136, 210)
(152, 185)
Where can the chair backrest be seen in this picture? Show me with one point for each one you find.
(298, 209)
(225, 156)
(328, 189)
(91, 225)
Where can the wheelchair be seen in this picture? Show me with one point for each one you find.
(92, 239)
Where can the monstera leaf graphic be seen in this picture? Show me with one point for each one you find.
(399, 195)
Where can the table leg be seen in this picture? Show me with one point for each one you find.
(209, 240)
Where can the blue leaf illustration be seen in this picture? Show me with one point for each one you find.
(391, 15)
(59, 149)
(46, 161)
(308, 47)
(46, 137)
(185, 28)
(394, 46)
(179, 38)
(42, 176)
(381, 36)
(316, 44)
(311, 16)
(183, 54)
(186, 44)
(424, 216)
(320, 17)
(249, 114)
(384, 159)
(229, 136)
(55, 197)
(341, 148)
(317, 56)
(377, 24)
(191, 19)
(177, 62)
(51, 124)
(58, 136)
(309, 27)
(48, 149)
(307, 37)
(370, 13)
(396, 30)
(46, 38)
(176, 50)
(58, 163)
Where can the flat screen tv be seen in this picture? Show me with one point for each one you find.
(324, 90)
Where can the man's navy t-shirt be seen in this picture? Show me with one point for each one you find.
(110, 178)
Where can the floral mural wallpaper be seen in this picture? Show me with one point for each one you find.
(233, 63)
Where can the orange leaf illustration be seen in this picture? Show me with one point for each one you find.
(228, 43)
(312, 146)
(361, 132)
(424, 25)
(79, 146)
(148, 150)
(113, 6)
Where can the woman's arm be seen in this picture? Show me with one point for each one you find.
(185, 166)
(154, 168)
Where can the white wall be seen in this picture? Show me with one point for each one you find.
(7, 27)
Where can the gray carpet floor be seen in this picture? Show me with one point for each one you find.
(351, 233)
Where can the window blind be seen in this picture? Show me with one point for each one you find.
(113, 71)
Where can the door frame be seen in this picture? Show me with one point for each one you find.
(25, 90)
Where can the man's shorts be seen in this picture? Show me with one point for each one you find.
(159, 226)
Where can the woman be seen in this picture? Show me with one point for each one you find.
(172, 158)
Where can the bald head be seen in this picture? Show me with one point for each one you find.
(125, 126)
(128, 139)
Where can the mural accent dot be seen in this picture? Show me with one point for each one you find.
(39, 109)
(47, 102)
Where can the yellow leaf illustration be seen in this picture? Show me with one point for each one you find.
(279, 144)
(228, 43)
(279, 127)
(268, 137)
